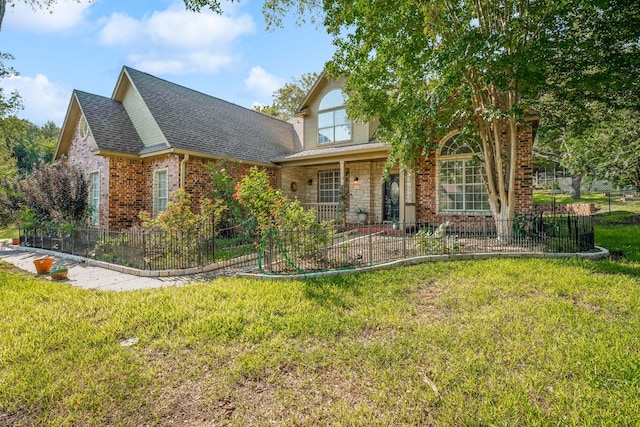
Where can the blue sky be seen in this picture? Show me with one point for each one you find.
(84, 46)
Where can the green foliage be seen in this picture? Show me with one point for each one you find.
(182, 215)
(180, 233)
(275, 212)
(422, 69)
(9, 103)
(595, 140)
(28, 144)
(223, 188)
(288, 98)
(437, 242)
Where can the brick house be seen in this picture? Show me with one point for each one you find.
(153, 137)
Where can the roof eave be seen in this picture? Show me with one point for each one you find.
(66, 133)
(320, 158)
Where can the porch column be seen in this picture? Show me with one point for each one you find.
(407, 197)
(342, 177)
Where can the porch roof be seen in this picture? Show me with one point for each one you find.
(368, 151)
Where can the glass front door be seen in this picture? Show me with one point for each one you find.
(392, 198)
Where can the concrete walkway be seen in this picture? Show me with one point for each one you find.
(88, 276)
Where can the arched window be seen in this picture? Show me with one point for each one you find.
(333, 123)
(461, 188)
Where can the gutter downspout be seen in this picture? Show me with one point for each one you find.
(183, 169)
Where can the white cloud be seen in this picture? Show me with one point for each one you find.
(43, 100)
(176, 41)
(62, 15)
(120, 29)
(262, 84)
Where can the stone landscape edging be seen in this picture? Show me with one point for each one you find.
(601, 253)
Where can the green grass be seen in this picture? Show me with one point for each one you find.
(603, 203)
(494, 342)
(8, 233)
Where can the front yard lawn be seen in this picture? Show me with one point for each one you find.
(494, 342)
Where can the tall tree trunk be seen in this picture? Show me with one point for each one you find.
(576, 182)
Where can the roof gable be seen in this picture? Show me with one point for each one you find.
(107, 120)
(147, 114)
(195, 122)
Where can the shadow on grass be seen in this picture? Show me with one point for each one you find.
(617, 264)
(333, 291)
(617, 218)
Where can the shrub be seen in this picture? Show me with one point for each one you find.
(51, 194)
(276, 213)
(182, 216)
(437, 242)
(223, 188)
(182, 232)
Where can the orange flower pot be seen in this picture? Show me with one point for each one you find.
(15, 241)
(43, 265)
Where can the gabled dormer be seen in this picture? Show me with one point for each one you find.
(326, 123)
(127, 93)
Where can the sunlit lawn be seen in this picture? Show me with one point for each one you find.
(604, 204)
(495, 342)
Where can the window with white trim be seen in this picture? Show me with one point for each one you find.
(461, 188)
(160, 191)
(94, 197)
(329, 188)
(333, 123)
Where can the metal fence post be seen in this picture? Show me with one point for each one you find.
(404, 240)
(370, 245)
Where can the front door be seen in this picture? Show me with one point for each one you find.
(392, 198)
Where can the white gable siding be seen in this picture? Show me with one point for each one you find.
(360, 132)
(142, 119)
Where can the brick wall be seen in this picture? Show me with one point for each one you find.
(582, 209)
(80, 155)
(127, 192)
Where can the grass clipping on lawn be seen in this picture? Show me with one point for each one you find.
(494, 342)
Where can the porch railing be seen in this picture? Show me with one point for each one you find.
(324, 211)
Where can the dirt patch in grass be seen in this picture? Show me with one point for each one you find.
(17, 419)
(426, 301)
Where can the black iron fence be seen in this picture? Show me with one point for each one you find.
(147, 249)
(308, 250)
(300, 251)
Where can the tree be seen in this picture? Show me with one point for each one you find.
(288, 98)
(28, 143)
(9, 103)
(423, 68)
(50, 194)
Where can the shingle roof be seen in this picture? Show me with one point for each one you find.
(109, 123)
(193, 121)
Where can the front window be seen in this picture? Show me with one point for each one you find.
(329, 191)
(461, 188)
(94, 197)
(160, 191)
(333, 123)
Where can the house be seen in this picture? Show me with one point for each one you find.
(153, 137)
